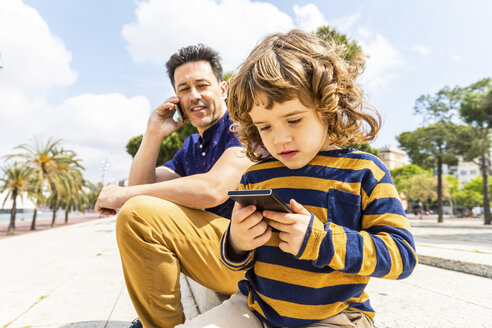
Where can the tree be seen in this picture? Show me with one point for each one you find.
(470, 195)
(419, 188)
(73, 198)
(63, 178)
(476, 110)
(50, 164)
(16, 182)
(351, 49)
(170, 145)
(430, 147)
(92, 192)
(365, 148)
(405, 172)
(38, 156)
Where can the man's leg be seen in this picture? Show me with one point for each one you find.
(157, 240)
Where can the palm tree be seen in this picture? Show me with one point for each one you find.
(63, 178)
(50, 164)
(74, 198)
(16, 182)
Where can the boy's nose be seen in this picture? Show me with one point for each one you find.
(282, 138)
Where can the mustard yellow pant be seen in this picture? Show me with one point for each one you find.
(157, 240)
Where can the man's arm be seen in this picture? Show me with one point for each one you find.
(195, 191)
(159, 126)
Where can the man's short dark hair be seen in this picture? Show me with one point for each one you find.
(194, 54)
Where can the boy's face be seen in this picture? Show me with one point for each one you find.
(291, 132)
(200, 94)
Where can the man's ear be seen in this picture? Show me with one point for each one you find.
(224, 87)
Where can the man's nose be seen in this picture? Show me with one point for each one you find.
(194, 94)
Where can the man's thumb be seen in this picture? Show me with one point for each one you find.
(298, 208)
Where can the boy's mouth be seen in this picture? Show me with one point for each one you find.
(288, 154)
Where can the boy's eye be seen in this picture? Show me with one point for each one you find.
(263, 128)
(295, 121)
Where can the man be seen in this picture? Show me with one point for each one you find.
(162, 229)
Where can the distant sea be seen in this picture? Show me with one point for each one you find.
(26, 215)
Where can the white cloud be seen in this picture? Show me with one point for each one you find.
(309, 17)
(345, 23)
(35, 61)
(384, 60)
(91, 125)
(456, 58)
(32, 57)
(422, 50)
(233, 27)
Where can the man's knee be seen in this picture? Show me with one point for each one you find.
(148, 211)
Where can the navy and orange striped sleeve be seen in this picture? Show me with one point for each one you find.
(245, 263)
(382, 246)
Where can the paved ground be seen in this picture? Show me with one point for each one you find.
(71, 277)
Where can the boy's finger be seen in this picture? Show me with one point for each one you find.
(279, 225)
(298, 208)
(263, 238)
(243, 212)
(278, 216)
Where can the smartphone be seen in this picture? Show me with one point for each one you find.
(263, 199)
(179, 110)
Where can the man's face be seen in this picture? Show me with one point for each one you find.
(200, 94)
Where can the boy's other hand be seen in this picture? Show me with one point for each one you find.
(248, 229)
(292, 226)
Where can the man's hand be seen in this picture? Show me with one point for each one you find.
(110, 199)
(248, 230)
(161, 121)
(292, 226)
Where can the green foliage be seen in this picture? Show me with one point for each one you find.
(170, 145)
(405, 172)
(228, 76)
(55, 172)
(351, 47)
(440, 107)
(427, 146)
(454, 184)
(365, 148)
(472, 193)
(419, 187)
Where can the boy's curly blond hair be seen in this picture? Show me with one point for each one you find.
(299, 64)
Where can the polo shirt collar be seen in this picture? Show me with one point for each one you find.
(209, 133)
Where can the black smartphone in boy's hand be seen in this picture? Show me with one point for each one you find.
(263, 199)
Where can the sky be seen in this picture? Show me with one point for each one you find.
(90, 72)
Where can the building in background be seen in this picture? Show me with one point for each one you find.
(392, 157)
(464, 171)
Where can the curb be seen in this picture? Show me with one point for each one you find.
(481, 270)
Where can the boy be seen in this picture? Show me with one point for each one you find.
(297, 103)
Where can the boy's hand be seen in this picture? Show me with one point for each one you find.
(248, 230)
(292, 226)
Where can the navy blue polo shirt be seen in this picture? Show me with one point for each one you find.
(198, 155)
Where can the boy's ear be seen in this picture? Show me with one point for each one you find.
(224, 87)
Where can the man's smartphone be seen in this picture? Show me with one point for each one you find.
(179, 110)
(263, 199)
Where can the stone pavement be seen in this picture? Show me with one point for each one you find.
(71, 277)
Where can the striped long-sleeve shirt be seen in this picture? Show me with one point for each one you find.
(358, 230)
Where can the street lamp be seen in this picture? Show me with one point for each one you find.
(104, 169)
